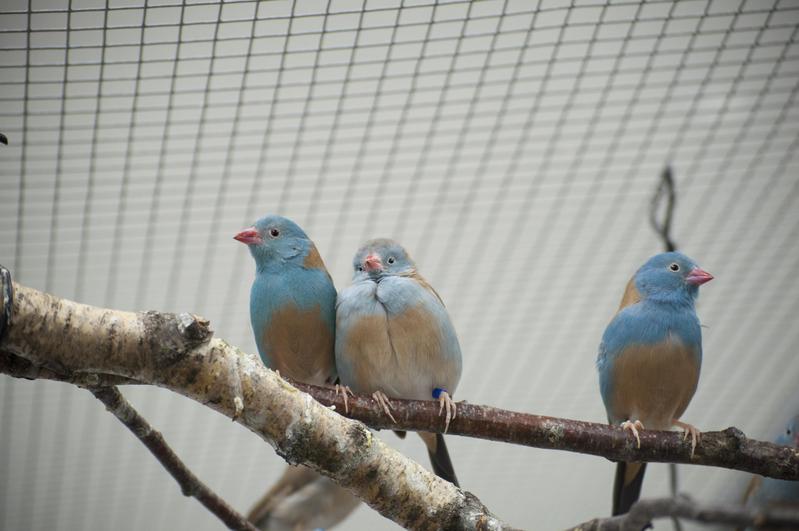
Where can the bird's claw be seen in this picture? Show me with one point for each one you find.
(445, 401)
(633, 427)
(344, 389)
(687, 429)
(382, 401)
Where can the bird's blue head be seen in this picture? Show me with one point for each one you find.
(790, 434)
(380, 258)
(275, 239)
(670, 275)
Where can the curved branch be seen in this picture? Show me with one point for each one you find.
(178, 352)
(665, 189)
(683, 507)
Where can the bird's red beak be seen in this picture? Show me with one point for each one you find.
(249, 236)
(698, 276)
(373, 263)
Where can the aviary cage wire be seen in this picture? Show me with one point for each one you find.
(513, 147)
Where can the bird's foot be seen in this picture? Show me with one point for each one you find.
(686, 430)
(446, 402)
(343, 390)
(633, 427)
(382, 401)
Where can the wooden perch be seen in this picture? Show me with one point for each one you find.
(726, 449)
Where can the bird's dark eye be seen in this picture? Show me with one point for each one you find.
(359, 268)
(788, 431)
(274, 233)
(674, 267)
(390, 260)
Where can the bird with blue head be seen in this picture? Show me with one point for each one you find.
(650, 357)
(292, 301)
(394, 339)
(293, 315)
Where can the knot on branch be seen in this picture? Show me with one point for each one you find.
(194, 328)
(736, 437)
(173, 336)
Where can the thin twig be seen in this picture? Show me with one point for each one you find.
(683, 507)
(665, 190)
(154, 441)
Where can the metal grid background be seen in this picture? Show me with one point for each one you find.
(512, 146)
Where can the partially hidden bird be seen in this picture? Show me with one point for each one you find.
(293, 313)
(394, 339)
(649, 358)
(769, 493)
(300, 500)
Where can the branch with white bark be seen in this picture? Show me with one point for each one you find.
(81, 343)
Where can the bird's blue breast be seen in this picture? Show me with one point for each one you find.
(649, 323)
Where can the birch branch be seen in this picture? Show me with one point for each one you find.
(177, 352)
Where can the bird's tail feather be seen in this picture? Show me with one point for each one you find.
(627, 486)
(439, 457)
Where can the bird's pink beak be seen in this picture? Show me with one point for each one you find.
(698, 276)
(373, 263)
(249, 236)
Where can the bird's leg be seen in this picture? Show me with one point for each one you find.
(344, 389)
(445, 401)
(686, 429)
(633, 427)
(382, 401)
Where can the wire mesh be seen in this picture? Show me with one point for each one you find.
(513, 146)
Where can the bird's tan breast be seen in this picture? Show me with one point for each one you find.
(301, 344)
(654, 383)
(396, 354)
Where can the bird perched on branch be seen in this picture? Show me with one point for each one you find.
(650, 357)
(769, 493)
(394, 339)
(293, 314)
